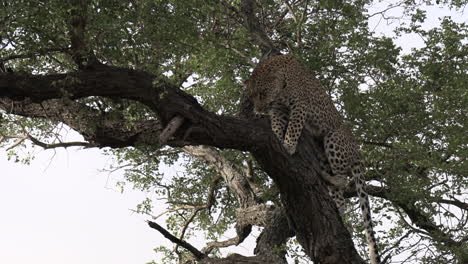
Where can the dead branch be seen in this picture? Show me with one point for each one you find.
(199, 255)
(58, 145)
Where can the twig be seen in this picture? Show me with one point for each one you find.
(20, 140)
(398, 242)
(40, 52)
(186, 207)
(455, 202)
(186, 225)
(381, 144)
(279, 20)
(300, 23)
(291, 10)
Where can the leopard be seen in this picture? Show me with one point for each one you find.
(283, 89)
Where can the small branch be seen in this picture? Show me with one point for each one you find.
(388, 252)
(240, 53)
(408, 224)
(186, 225)
(382, 13)
(300, 23)
(199, 255)
(455, 202)
(291, 10)
(381, 144)
(170, 129)
(20, 140)
(220, 244)
(35, 141)
(186, 207)
(59, 145)
(231, 8)
(210, 201)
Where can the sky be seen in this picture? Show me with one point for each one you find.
(62, 209)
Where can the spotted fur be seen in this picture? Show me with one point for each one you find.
(282, 88)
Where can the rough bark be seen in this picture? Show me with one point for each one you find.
(274, 236)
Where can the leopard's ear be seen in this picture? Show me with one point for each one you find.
(270, 53)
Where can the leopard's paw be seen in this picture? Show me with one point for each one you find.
(290, 148)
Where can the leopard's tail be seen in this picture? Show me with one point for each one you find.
(366, 214)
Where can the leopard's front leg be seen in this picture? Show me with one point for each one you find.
(279, 120)
(297, 119)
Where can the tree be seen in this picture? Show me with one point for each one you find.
(160, 82)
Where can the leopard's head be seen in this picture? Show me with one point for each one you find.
(261, 92)
(262, 87)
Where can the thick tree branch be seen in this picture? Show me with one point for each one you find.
(98, 128)
(236, 182)
(107, 81)
(163, 98)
